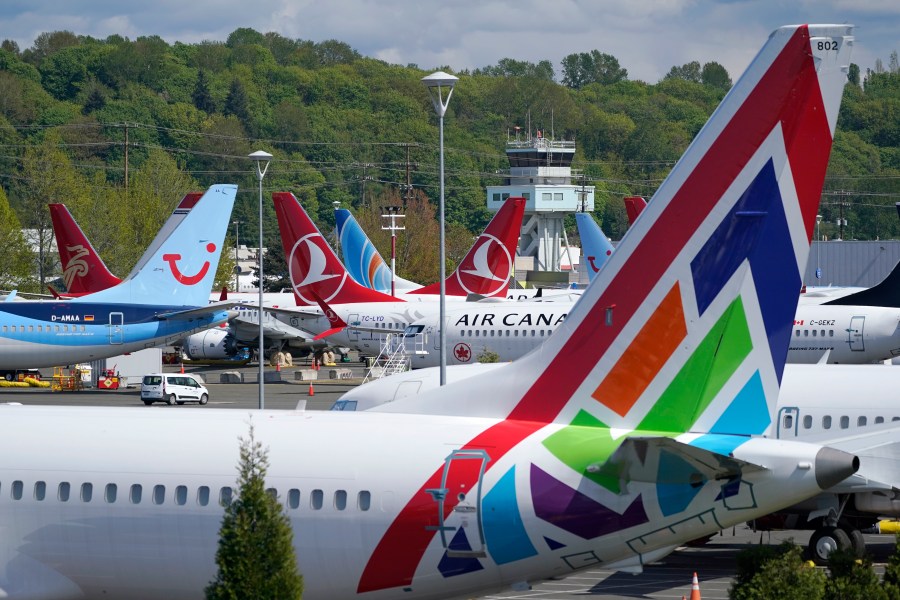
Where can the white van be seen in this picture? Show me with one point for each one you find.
(172, 388)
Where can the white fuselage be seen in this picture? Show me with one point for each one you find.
(101, 502)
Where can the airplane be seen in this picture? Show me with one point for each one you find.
(361, 258)
(83, 269)
(592, 237)
(158, 304)
(550, 465)
(634, 206)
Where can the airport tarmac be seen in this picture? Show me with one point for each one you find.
(714, 562)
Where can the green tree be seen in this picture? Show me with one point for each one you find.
(852, 578)
(584, 68)
(16, 260)
(256, 555)
(715, 75)
(688, 72)
(202, 98)
(236, 102)
(783, 574)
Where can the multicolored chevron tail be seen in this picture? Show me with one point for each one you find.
(674, 354)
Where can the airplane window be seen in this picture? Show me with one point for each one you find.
(879, 420)
(87, 492)
(806, 333)
(815, 332)
(484, 333)
(845, 422)
(203, 495)
(316, 500)
(31, 329)
(57, 328)
(110, 492)
(788, 422)
(135, 494)
(293, 498)
(861, 422)
(159, 494)
(807, 422)
(340, 499)
(895, 419)
(826, 422)
(181, 495)
(532, 333)
(831, 333)
(492, 333)
(542, 332)
(476, 333)
(507, 333)
(40, 490)
(63, 491)
(823, 333)
(796, 333)
(225, 496)
(364, 500)
(516, 333)
(16, 491)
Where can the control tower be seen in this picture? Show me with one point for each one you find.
(540, 171)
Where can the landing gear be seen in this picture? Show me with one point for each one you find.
(829, 538)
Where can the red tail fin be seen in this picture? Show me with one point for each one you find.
(634, 205)
(223, 296)
(83, 269)
(485, 270)
(314, 268)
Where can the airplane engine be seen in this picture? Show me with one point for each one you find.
(215, 343)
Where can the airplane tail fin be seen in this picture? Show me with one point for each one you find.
(487, 267)
(181, 268)
(886, 293)
(83, 270)
(314, 267)
(634, 206)
(687, 327)
(362, 259)
(594, 244)
(178, 215)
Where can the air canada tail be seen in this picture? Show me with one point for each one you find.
(594, 244)
(487, 267)
(679, 344)
(178, 270)
(83, 270)
(361, 258)
(314, 268)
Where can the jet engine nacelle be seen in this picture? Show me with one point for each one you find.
(210, 344)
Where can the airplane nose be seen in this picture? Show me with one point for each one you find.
(834, 466)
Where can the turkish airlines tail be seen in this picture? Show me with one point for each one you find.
(315, 270)
(487, 267)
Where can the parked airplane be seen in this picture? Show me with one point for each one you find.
(495, 488)
(594, 243)
(362, 260)
(158, 304)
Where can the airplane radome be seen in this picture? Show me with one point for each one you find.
(566, 459)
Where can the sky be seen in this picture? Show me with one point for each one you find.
(647, 37)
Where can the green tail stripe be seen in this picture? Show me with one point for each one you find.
(714, 361)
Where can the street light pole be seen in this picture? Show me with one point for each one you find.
(237, 268)
(436, 83)
(262, 165)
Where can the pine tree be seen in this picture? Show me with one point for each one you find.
(256, 555)
(201, 96)
(236, 101)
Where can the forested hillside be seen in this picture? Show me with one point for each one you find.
(119, 129)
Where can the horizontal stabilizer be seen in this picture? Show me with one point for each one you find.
(638, 459)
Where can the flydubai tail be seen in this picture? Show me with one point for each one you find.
(84, 271)
(179, 267)
(487, 267)
(361, 258)
(594, 244)
(674, 355)
(315, 270)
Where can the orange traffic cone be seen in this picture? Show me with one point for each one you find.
(277, 367)
(695, 589)
(182, 368)
(312, 392)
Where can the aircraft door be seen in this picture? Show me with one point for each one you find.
(353, 319)
(458, 504)
(788, 423)
(855, 334)
(116, 328)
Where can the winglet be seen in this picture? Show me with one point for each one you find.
(490, 262)
(336, 322)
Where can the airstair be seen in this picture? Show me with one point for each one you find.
(392, 359)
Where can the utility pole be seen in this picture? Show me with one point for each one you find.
(126, 155)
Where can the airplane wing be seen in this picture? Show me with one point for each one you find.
(200, 311)
(638, 459)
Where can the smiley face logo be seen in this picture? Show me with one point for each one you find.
(172, 259)
(485, 270)
(310, 271)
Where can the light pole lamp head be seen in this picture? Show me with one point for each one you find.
(436, 84)
(261, 158)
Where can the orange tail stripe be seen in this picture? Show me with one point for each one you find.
(643, 359)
